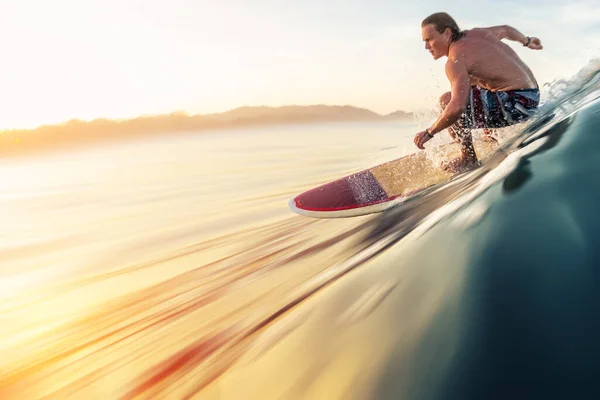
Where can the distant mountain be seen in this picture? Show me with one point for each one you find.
(298, 113)
(399, 115)
(76, 131)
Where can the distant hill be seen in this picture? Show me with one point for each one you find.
(78, 132)
(399, 115)
(300, 114)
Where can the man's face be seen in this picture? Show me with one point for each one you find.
(436, 43)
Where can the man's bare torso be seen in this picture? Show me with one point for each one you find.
(491, 64)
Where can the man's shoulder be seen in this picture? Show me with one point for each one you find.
(484, 32)
(457, 51)
(469, 43)
(457, 58)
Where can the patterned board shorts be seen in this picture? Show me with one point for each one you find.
(487, 109)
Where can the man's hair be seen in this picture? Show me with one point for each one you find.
(442, 21)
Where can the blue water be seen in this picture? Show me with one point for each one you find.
(171, 267)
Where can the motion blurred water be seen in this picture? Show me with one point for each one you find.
(171, 267)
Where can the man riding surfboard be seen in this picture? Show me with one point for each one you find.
(491, 87)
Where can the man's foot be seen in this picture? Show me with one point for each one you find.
(489, 139)
(487, 136)
(460, 164)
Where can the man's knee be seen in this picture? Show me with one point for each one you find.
(445, 99)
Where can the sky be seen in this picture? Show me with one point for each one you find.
(67, 59)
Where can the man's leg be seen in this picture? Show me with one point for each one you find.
(462, 135)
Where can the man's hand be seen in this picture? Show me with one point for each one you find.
(535, 44)
(421, 138)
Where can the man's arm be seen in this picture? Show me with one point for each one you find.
(457, 74)
(510, 33)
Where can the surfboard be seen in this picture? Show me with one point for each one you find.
(381, 187)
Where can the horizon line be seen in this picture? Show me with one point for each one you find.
(200, 114)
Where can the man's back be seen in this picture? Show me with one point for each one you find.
(491, 63)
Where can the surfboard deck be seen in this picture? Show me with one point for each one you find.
(381, 187)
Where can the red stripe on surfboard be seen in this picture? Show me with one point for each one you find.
(352, 191)
(341, 208)
(356, 205)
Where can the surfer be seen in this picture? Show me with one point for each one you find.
(491, 87)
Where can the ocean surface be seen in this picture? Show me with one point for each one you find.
(172, 267)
